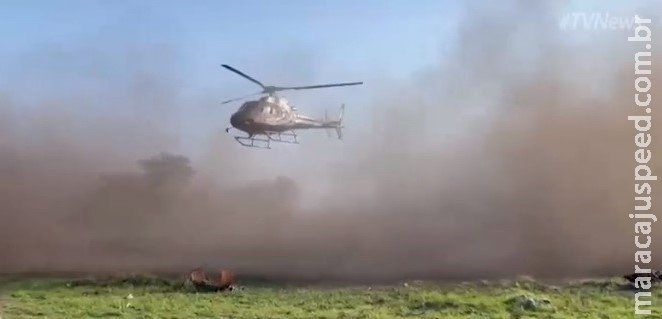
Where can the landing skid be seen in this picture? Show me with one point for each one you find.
(256, 141)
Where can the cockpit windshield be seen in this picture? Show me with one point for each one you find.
(247, 106)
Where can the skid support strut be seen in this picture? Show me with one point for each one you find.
(256, 141)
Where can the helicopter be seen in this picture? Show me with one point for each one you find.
(273, 117)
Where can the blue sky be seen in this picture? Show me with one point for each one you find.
(61, 48)
(353, 35)
(343, 39)
(94, 49)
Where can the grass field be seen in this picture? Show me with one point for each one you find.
(149, 297)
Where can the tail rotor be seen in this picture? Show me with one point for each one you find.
(336, 125)
(339, 125)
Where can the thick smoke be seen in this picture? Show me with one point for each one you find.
(532, 176)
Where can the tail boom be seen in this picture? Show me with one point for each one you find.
(304, 122)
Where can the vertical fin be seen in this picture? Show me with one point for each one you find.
(339, 125)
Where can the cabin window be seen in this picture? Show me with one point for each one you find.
(269, 109)
(247, 106)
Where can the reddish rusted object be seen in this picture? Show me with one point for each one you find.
(200, 282)
(226, 279)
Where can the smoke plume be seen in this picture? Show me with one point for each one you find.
(512, 156)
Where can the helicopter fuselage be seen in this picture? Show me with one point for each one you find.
(273, 114)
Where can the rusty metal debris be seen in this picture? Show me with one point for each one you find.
(198, 280)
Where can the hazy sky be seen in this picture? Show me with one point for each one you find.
(61, 48)
(68, 49)
(351, 34)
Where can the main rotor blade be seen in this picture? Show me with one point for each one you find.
(240, 98)
(280, 88)
(243, 74)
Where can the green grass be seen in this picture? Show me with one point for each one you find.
(156, 298)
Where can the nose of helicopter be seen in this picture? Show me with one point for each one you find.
(235, 120)
(240, 121)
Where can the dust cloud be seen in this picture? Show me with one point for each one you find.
(512, 156)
